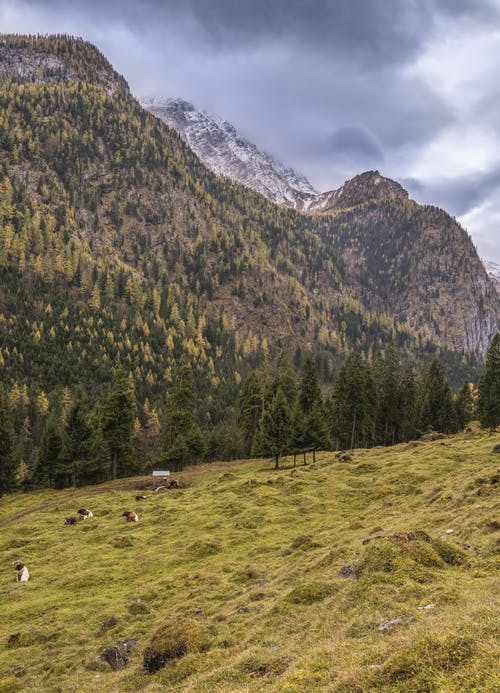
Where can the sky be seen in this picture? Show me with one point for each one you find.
(329, 87)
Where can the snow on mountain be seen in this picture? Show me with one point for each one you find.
(493, 270)
(218, 144)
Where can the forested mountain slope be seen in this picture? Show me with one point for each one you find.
(119, 245)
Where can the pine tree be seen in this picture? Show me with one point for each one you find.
(179, 405)
(436, 404)
(309, 390)
(251, 404)
(76, 461)
(488, 402)
(276, 427)
(353, 405)
(8, 462)
(464, 406)
(49, 453)
(118, 424)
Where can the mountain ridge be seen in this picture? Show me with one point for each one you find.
(110, 217)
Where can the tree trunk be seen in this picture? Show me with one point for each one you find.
(114, 465)
(353, 430)
(294, 459)
(277, 461)
(304, 457)
(314, 455)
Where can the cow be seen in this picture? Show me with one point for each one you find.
(85, 514)
(171, 483)
(138, 498)
(131, 516)
(22, 573)
(71, 520)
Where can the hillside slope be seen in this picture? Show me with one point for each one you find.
(377, 574)
(118, 245)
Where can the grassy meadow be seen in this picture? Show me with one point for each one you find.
(375, 574)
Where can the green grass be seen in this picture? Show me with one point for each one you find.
(237, 574)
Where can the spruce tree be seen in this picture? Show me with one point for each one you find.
(118, 424)
(309, 390)
(179, 405)
(49, 453)
(488, 402)
(76, 460)
(276, 427)
(436, 404)
(251, 404)
(8, 462)
(353, 405)
(464, 406)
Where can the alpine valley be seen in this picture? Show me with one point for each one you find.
(119, 245)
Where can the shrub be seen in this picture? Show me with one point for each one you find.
(436, 655)
(174, 639)
(309, 592)
(450, 553)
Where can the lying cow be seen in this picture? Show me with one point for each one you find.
(138, 498)
(131, 516)
(70, 520)
(22, 573)
(85, 514)
(171, 483)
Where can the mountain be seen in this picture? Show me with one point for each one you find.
(368, 186)
(117, 245)
(228, 153)
(493, 270)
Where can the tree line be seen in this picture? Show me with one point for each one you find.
(280, 412)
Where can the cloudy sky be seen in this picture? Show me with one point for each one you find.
(330, 87)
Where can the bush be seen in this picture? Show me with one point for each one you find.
(432, 655)
(309, 593)
(450, 553)
(173, 640)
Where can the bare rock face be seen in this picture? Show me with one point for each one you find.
(366, 187)
(33, 59)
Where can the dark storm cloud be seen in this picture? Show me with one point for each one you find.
(356, 145)
(458, 195)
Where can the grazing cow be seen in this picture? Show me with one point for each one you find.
(70, 520)
(131, 516)
(22, 573)
(85, 514)
(138, 498)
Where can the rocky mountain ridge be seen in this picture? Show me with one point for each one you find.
(219, 145)
(117, 222)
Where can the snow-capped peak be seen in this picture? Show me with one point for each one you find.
(219, 145)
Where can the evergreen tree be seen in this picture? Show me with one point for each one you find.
(408, 403)
(251, 405)
(488, 402)
(387, 373)
(179, 405)
(76, 460)
(353, 405)
(118, 424)
(436, 404)
(8, 462)
(276, 427)
(464, 406)
(309, 390)
(48, 454)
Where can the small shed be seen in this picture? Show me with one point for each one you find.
(160, 477)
